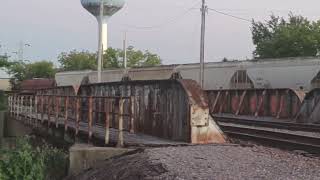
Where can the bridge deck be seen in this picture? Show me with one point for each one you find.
(130, 139)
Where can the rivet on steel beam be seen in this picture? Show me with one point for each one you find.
(57, 111)
(66, 108)
(42, 108)
(132, 115)
(30, 109)
(77, 115)
(90, 113)
(49, 111)
(107, 120)
(36, 110)
(120, 123)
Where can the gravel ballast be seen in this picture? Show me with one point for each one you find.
(207, 162)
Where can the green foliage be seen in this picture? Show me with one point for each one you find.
(279, 38)
(4, 62)
(151, 59)
(135, 58)
(75, 60)
(56, 163)
(42, 69)
(28, 163)
(22, 163)
(20, 71)
(113, 58)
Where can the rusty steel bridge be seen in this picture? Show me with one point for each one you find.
(169, 112)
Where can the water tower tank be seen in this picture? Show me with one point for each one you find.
(110, 7)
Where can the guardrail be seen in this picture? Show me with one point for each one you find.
(70, 111)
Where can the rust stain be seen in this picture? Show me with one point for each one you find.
(283, 103)
(195, 92)
(171, 109)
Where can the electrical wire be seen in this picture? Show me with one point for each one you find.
(230, 15)
(177, 18)
(168, 22)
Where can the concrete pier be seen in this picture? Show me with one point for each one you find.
(84, 156)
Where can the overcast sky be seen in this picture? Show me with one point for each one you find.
(54, 26)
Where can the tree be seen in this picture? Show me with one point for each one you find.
(135, 58)
(113, 58)
(279, 38)
(225, 59)
(4, 62)
(21, 71)
(151, 59)
(18, 73)
(75, 60)
(42, 69)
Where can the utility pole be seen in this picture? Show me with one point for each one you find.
(100, 46)
(20, 51)
(125, 51)
(204, 10)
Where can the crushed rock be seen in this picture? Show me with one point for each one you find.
(206, 162)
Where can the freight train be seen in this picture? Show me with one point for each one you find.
(293, 73)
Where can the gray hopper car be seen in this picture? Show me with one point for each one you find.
(293, 73)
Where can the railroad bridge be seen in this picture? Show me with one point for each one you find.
(171, 112)
(163, 112)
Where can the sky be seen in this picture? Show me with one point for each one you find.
(170, 28)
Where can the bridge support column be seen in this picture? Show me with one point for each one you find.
(83, 156)
(68, 137)
(204, 129)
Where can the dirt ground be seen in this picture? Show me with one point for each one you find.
(207, 162)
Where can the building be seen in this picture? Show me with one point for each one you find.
(5, 84)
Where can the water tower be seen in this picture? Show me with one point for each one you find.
(102, 10)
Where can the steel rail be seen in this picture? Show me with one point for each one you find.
(270, 124)
(274, 142)
(278, 139)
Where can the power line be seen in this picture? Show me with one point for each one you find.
(177, 18)
(168, 22)
(264, 10)
(230, 15)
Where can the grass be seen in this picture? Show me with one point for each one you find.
(29, 162)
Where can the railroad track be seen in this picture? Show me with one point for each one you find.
(267, 123)
(287, 135)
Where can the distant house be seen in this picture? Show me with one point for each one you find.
(5, 84)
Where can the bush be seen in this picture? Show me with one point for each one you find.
(29, 163)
